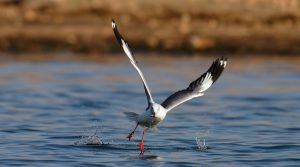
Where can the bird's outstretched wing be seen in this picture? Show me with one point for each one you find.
(129, 54)
(197, 87)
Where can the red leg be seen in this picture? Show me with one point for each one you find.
(141, 143)
(132, 132)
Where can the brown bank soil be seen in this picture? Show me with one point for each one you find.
(213, 26)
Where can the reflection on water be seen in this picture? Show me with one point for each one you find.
(249, 117)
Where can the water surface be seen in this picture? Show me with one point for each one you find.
(70, 113)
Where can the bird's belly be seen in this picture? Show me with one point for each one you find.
(150, 123)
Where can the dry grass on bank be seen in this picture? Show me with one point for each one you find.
(269, 26)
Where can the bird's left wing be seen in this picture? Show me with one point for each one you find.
(197, 87)
(129, 54)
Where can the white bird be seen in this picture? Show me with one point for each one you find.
(155, 112)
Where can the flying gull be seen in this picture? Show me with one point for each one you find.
(155, 112)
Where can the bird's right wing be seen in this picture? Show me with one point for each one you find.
(197, 87)
(129, 54)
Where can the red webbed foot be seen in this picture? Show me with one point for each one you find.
(141, 146)
(142, 152)
(132, 132)
(130, 136)
(141, 143)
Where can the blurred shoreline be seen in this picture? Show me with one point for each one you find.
(238, 27)
(236, 61)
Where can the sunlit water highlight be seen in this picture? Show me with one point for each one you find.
(70, 114)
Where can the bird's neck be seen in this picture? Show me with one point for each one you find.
(160, 111)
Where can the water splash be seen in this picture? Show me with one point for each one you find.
(89, 140)
(200, 140)
(201, 144)
(91, 136)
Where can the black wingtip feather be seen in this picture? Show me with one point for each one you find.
(217, 68)
(116, 32)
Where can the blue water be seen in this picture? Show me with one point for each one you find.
(70, 113)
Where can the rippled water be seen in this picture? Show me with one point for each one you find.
(69, 113)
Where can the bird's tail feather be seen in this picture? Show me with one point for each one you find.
(132, 116)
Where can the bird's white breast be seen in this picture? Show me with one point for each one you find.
(146, 119)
